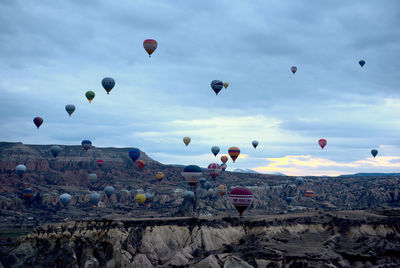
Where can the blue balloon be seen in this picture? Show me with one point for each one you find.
(374, 152)
(134, 154)
(94, 199)
(217, 85)
(362, 62)
(65, 198)
(288, 199)
(109, 190)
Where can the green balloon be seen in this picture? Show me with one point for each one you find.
(90, 95)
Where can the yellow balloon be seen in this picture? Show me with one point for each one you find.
(159, 175)
(140, 198)
(186, 140)
(226, 84)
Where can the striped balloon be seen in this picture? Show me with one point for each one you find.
(150, 45)
(141, 164)
(309, 193)
(214, 169)
(234, 152)
(241, 198)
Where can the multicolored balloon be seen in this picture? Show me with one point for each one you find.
(38, 121)
(192, 174)
(186, 140)
(55, 150)
(322, 143)
(108, 83)
(234, 152)
(150, 45)
(86, 144)
(293, 69)
(27, 193)
(160, 176)
(222, 190)
(215, 150)
(214, 169)
(309, 193)
(241, 198)
(70, 108)
(224, 159)
(361, 62)
(254, 143)
(217, 85)
(149, 198)
(141, 164)
(99, 162)
(134, 154)
(374, 152)
(90, 95)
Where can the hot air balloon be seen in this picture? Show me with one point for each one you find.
(99, 162)
(234, 152)
(90, 95)
(224, 159)
(374, 152)
(189, 194)
(109, 190)
(94, 199)
(160, 176)
(223, 167)
(226, 84)
(192, 173)
(222, 190)
(86, 144)
(241, 198)
(309, 193)
(215, 150)
(38, 121)
(207, 185)
(20, 169)
(322, 143)
(134, 154)
(149, 198)
(27, 193)
(361, 62)
(141, 164)
(108, 83)
(293, 69)
(214, 169)
(150, 46)
(288, 199)
(217, 85)
(92, 177)
(186, 140)
(65, 198)
(70, 108)
(254, 143)
(55, 150)
(299, 180)
(140, 199)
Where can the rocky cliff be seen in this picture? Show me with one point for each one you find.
(312, 239)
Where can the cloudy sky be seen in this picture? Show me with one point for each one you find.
(52, 52)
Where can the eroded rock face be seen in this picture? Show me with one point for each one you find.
(339, 239)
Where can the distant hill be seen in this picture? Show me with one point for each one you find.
(247, 170)
(369, 175)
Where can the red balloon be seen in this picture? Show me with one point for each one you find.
(38, 121)
(141, 164)
(100, 162)
(150, 45)
(241, 198)
(322, 143)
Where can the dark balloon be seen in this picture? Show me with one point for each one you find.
(309, 193)
(86, 144)
(374, 152)
(192, 174)
(94, 199)
(108, 84)
(217, 85)
(288, 199)
(361, 62)
(241, 198)
(109, 190)
(90, 95)
(293, 69)
(322, 143)
(38, 121)
(254, 143)
(134, 154)
(70, 108)
(215, 150)
(65, 198)
(27, 193)
(55, 150)
(299, 180)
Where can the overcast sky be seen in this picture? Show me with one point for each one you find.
(52, 52)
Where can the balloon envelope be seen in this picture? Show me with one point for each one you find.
(241, 198)
(150, 45)
(224, 159)
(186, 140)
(94, 199)
(55, 150)
(361, 62)
(90, 95)
(100, 162)
(215, 150)
(217, 85)
(92, 177)
(299, 180)
(223, 167)
(234, 152)
(322, 143)
(293, 69)
(109, 190)
(38, 121)
(86, 144)
(288, 199)
(214, 169)
(65, 198)
(192, 174)
(140, 198)
(309, 193)
(160, 176)
(20, 169)
(374, 152)
(70, 108)
(189, 195)
(226, 84)
(254, 143)
(134, 154)
(27, 193)
(222, 190)
(108, 83)
(141, 164)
